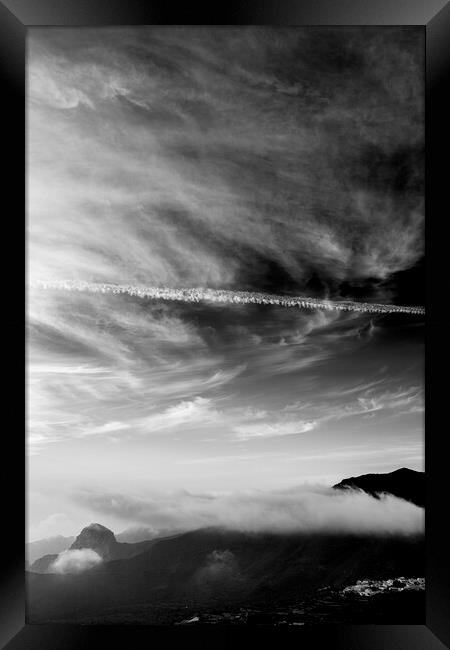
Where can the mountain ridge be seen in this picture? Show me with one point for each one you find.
(101, 540)
(403, 483)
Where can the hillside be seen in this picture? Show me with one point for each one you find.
(101, 540)
(217, 568)
(403, 483)
(49, 546)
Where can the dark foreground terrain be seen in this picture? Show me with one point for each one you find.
(325, 606)
(259, 578)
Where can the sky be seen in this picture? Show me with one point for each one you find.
(278, 160)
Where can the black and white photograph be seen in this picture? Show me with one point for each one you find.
(225, 325)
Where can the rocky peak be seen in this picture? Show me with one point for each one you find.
(98, 538)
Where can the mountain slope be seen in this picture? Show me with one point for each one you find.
(101, 540)
(43, 564)
(403, 483)
(49, 546)
(136, 534)
(216, 568)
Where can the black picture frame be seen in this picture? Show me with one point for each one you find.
(16, 16)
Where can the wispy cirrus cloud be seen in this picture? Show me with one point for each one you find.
(258, 160)
(195, 412)
(283, 424)
(368, 402)
(273, 430)
(176, 193)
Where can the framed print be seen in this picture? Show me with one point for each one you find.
(233, 280)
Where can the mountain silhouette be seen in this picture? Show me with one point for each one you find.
(101, 540)
(403, 483)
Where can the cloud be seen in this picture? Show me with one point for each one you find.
(187, 413)
(218, 159)
(220, 565)
(244, 423)
(224, 376)
(194, 295)
(303, 509)
(75, 561)
(195, 157)
(371, 400)
(108, 427)
(257, 162)
(273, 430)
(61, 369)
(393, 400)
(57, 523)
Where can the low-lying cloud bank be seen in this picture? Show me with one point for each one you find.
(75, 561)
(304, 509)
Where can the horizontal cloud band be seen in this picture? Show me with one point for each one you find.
(200, 294)
(301, 509)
